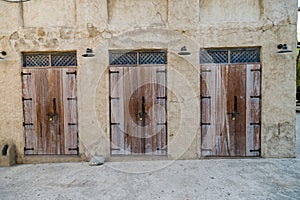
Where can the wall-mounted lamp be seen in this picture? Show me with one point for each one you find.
(88, 53)
(16, 1)
(3, 53)
(283, 48)
(183, 51)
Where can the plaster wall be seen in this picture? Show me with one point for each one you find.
(142, 24)
(214, 11)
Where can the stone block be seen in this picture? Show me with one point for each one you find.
(97, 160)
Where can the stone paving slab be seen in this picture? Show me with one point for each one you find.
(204, 179)
(192, 179)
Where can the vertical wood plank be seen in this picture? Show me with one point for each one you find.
(116, 114)
(28, 114)
(221, 127)
(253, 111)
(69, 138)
(161, 110)
(208, 147)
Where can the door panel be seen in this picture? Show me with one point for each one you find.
(236, 108)
(45, 100)
(138, 110)
(228, 110)
(254, 111)
(70, 112)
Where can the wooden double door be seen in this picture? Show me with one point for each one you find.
(138, 116)
(230, 110)
(50, 111)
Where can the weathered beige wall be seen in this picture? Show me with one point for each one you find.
(50, 13)
(154, 13)
(152, 24)
(214, 11)
(11, 20)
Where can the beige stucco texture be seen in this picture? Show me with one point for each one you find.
(103, 25)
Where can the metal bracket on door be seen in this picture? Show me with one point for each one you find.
(254, 150)
(28, 149)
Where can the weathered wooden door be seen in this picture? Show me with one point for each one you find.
(230, 110)
(138, 110)
(50, 111)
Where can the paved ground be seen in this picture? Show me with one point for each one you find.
(203, 179)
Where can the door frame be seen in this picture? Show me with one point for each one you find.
(62, 66)
(137, 59)
(250, 57)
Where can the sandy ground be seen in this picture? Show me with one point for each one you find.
(200, 179)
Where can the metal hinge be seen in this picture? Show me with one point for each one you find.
(162, 124)
(205, 70)
(28, 149)
(114, 72)
(205, 124)
(72, 149)
(254, 150)
(205, 97)
(255, 97)
(27, 124)
(72, 124)
(71, 73)
(69, 99)
(255, 124)
(161, 97)
(26, 99)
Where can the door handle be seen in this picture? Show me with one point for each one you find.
(52, 115)
(54, 106)
(142, 115)
(235, 109)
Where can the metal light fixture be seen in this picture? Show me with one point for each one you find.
(88, 53)
(16, 1)
(3, 53)
(283, 48)
(183, 51)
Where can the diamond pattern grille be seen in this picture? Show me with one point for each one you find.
(47, 60)
(64, 59)
(130, 58)
(214, 56)
(152, 58)
(245, 55)
(121, 58)
(36, 60)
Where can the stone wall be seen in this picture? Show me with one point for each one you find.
(56, 25)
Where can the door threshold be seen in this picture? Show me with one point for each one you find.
(33, 159)
(120, 158)
(227, 157)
